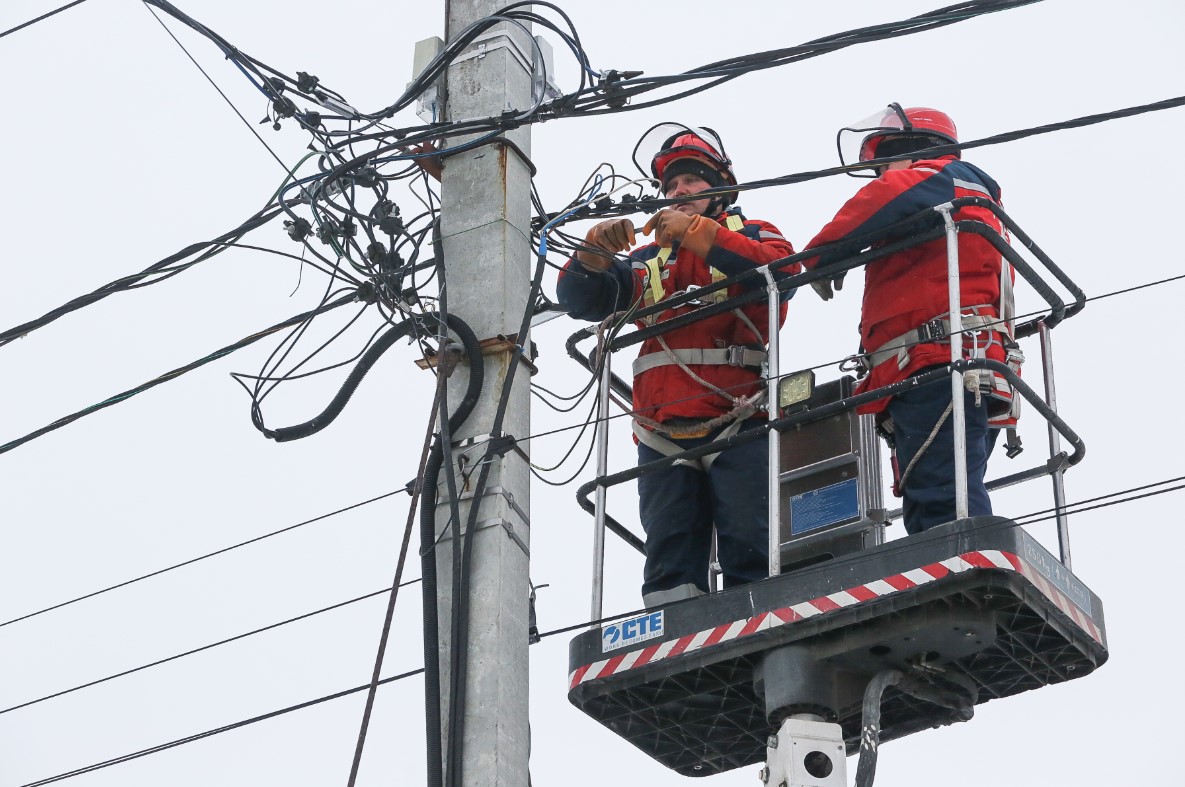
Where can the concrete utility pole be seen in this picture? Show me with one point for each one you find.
(485, 215)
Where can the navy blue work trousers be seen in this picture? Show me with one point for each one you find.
(929, 491)
(679, 505)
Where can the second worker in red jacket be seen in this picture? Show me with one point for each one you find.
(905, 319)
(697, 383)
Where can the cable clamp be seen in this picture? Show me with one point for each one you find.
(497, 445)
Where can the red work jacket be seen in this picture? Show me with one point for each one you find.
(907, 289)
(668, 392)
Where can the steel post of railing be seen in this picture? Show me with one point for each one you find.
(773, 372)
(1055, 447)
(958, 412)
(598, 569)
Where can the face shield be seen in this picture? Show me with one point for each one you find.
(853, 141)
(668, 141)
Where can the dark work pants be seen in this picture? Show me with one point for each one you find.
(679, 505)
(929, 492)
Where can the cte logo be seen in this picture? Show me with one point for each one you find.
(629, 632)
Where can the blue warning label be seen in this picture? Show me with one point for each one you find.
(822, 507)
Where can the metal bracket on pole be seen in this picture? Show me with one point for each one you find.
(958, 413)
(499, 491)
(509, 528)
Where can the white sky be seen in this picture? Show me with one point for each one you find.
(120, 153)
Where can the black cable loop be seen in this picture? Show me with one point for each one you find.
(338, 403)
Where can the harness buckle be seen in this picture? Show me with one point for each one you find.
(736, 355)
(690, 289)
(932, 330)
(860, 364)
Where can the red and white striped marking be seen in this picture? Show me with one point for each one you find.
(992, 559)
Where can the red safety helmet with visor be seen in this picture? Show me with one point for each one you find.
(667, 143)
(861, 141)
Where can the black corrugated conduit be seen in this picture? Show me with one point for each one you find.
(368, 359)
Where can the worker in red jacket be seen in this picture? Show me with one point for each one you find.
(906, 309)
(698, 383)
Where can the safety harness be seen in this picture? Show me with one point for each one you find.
(994, 321)
(650, 432)
(656, 271)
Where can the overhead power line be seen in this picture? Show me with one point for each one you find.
(248, 124)
(1077, 507)
(823, 365)
(216, 731)
(417, 490)
(193, 651)
(901, 543)
(163, 269)
(200, 558)
(41, 18)
(175, 373)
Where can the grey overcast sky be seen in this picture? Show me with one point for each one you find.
(119, 153)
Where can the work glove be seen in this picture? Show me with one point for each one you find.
(612, 235)
(668, 226)
(823, 287)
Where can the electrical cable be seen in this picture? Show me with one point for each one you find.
(538, 471)
(44, 16)
(203, 648)
(345, 248)
(136, 279)
(904, 542)
(265, 383)
(1032, 519)
(628, 207)
(216, 731)
(460, 641)
(616, 90)
(200, 558)
(338, 403)
(432, 699)
(248, 124)
(175, 373)
(417, 491)
(821, 365)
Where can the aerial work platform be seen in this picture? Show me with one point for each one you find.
(977, 604)
(850, 640)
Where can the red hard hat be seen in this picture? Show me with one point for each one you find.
(917, 121)
(700, 145)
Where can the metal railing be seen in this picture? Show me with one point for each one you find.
(769, 283)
